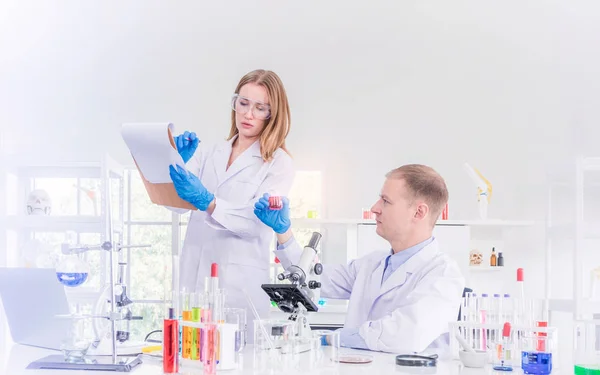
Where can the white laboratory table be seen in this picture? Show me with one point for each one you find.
(20, 356)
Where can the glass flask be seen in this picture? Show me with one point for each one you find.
(72, 271)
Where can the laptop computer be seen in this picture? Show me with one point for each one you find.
(32, 299)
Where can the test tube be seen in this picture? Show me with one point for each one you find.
(203, 318)
(464, 310)
(218, 319)
(483, 319)
(209, 355)
(170, 350)
(186, 331)
(237, 316)
(196, 313)
(466, 315)
(473, 309)
(506, 311)
(496, 313)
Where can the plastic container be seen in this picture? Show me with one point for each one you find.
(586, 351)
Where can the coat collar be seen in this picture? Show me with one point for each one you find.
(244, 160)
(411, 266)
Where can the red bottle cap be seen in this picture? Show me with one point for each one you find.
(214, 270)
(519, 274)
(506, 330)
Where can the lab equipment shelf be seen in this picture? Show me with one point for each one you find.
(79, 223)
(486, 269)
(473, 223)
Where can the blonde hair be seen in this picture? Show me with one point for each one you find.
(424, 183)
(277, 128)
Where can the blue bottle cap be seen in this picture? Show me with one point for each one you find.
(484, 295)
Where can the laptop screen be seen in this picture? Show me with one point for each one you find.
(32, 299)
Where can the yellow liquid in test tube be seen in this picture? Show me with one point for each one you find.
(196, 313)
(186, 341)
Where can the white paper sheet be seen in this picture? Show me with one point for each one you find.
(151, 148)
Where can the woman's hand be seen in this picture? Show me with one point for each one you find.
(190, 189)
(186, 144)
(278, 220)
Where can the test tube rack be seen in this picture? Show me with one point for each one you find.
(487, 336)
(227, 357)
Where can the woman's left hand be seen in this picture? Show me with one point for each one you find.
(278, 220)
(189, 188)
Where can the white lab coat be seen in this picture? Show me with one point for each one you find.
(409, 312)
(233, 236)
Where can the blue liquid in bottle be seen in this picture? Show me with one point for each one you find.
(72, 279)
(538, 363)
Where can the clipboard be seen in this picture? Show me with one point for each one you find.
(164, 194)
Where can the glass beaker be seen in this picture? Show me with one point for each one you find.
(272, 341)
(329, 351)
(586, 353)
(78, 340)
(534, 313)
(538, 346)
(237, 316)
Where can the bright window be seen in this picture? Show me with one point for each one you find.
(149, 270)
(305, 196)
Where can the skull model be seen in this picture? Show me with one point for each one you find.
(39, 203)
(475, 258)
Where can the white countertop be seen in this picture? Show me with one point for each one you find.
(19, 357)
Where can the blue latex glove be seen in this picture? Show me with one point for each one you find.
(278, 220)
(189, 188)
(186, 144)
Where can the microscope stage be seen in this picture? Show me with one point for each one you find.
(286, 295)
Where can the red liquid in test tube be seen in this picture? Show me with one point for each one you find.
(275, 203)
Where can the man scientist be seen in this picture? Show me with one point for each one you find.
(401, 301)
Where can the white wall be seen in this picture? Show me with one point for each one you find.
(510, 87)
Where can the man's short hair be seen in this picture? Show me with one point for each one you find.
(425, 183)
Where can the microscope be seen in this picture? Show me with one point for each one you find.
(299, 297)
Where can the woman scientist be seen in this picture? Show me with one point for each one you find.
(225, 181)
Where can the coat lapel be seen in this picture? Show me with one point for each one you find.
(221, 157)
(375, 282)
(399, 276)
(247, 158)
